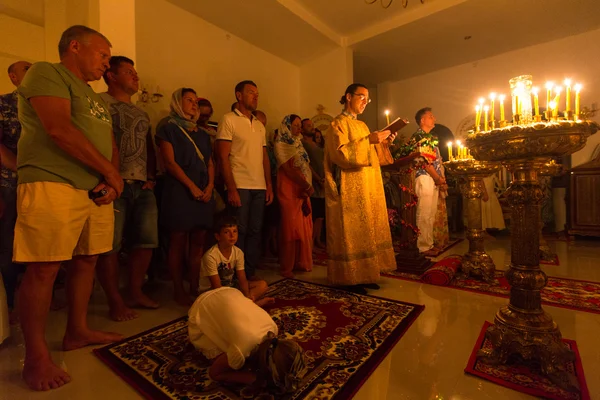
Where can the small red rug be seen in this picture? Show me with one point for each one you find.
(453, 242)
(320, 255)
(559, 292)
(345, 337)
(526, 379)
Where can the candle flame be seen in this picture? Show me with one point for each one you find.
(552, 104)
(558, 89)
(481, 101)
(578, 87)
(567, 82)
(449, 144)
(501, 97)
(486, 108)
(458, 143)
(477, 108)
(492, 96)
(387, 112)
(549, 85)
(535, 90)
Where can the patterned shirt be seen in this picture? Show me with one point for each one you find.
(10, 131)
(437, 163)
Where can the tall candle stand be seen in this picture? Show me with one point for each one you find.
(522, 328)
(476, 262)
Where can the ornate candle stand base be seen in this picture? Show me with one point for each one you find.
(476, 262)
(523, 330)
(550, 168)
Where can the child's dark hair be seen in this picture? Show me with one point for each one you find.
(225, 222)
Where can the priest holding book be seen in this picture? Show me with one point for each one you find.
(359, 242)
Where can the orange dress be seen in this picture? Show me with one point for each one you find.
(296, 229)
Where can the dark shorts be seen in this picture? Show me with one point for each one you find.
(136, 212)
(318, 207)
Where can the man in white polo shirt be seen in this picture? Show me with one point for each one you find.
(241, 148)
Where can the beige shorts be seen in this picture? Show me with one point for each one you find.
(55, 222)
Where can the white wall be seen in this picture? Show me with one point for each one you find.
(22, 41)
(175, 48)
(324, 80)
(453, 92)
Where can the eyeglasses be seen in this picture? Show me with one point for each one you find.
(362, 97)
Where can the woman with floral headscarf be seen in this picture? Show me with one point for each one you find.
(187, 206)
(294, 187)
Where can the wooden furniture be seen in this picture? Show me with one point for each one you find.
(583, 199)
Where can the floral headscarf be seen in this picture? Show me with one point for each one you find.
(288, 146)
(177, 116)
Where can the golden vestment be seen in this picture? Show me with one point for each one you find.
(359, 242)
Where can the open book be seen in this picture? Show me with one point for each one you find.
(395, 126)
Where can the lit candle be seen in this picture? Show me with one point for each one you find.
(568, 94)
(549, 86)
(577, 100)
(492, 101)
(501, 98)
(536, 100)
(486, 108)
(387, 116)
(458, 149)
(554, 109)
(460, 152)
(557, 90)
(450, 150)
(517, 105)
(477, 119)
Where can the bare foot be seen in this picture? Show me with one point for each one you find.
(183, 300)
(122, 313)
(44, 375)
(88, 338)
(142, 301)
(265, 301)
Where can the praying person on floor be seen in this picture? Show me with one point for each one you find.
(223, 264)
(240, 339)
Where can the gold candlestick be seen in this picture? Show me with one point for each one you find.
(568, 95)
(549, 86)
(577, 100)
(486, 108)
(501, 98)
(477, 118)
(492, 103)
(450, 151)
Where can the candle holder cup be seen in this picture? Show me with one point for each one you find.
(537, 118)
(569, 115)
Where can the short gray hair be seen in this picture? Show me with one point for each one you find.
(79, 33)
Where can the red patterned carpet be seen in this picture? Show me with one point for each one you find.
(345, 336)
(526, 379)
(559, 292)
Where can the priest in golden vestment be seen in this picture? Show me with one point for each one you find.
(359, 242)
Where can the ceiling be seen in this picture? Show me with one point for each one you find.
(397, 43)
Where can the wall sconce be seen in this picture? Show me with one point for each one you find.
(145, 96)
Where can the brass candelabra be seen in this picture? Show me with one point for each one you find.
(550, 168)
(523, 328)
(476, 262)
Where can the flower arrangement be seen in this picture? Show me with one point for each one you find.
(419, 141)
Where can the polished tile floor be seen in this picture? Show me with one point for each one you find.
(427, 363)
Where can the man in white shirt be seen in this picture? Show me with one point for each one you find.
(242, 153)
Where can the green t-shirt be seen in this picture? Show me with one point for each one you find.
(39, 159)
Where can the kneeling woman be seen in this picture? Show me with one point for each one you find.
(240, 338)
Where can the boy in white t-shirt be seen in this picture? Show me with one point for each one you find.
(223, 264)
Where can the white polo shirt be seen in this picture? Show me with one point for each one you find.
(247, 139)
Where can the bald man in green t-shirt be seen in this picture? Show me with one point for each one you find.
(68, 177)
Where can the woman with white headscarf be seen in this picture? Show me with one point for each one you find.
(187, 205)
(294, 187)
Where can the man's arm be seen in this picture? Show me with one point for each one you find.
(267, 171)
(55, 115)
(223, 151)
(150, 157)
